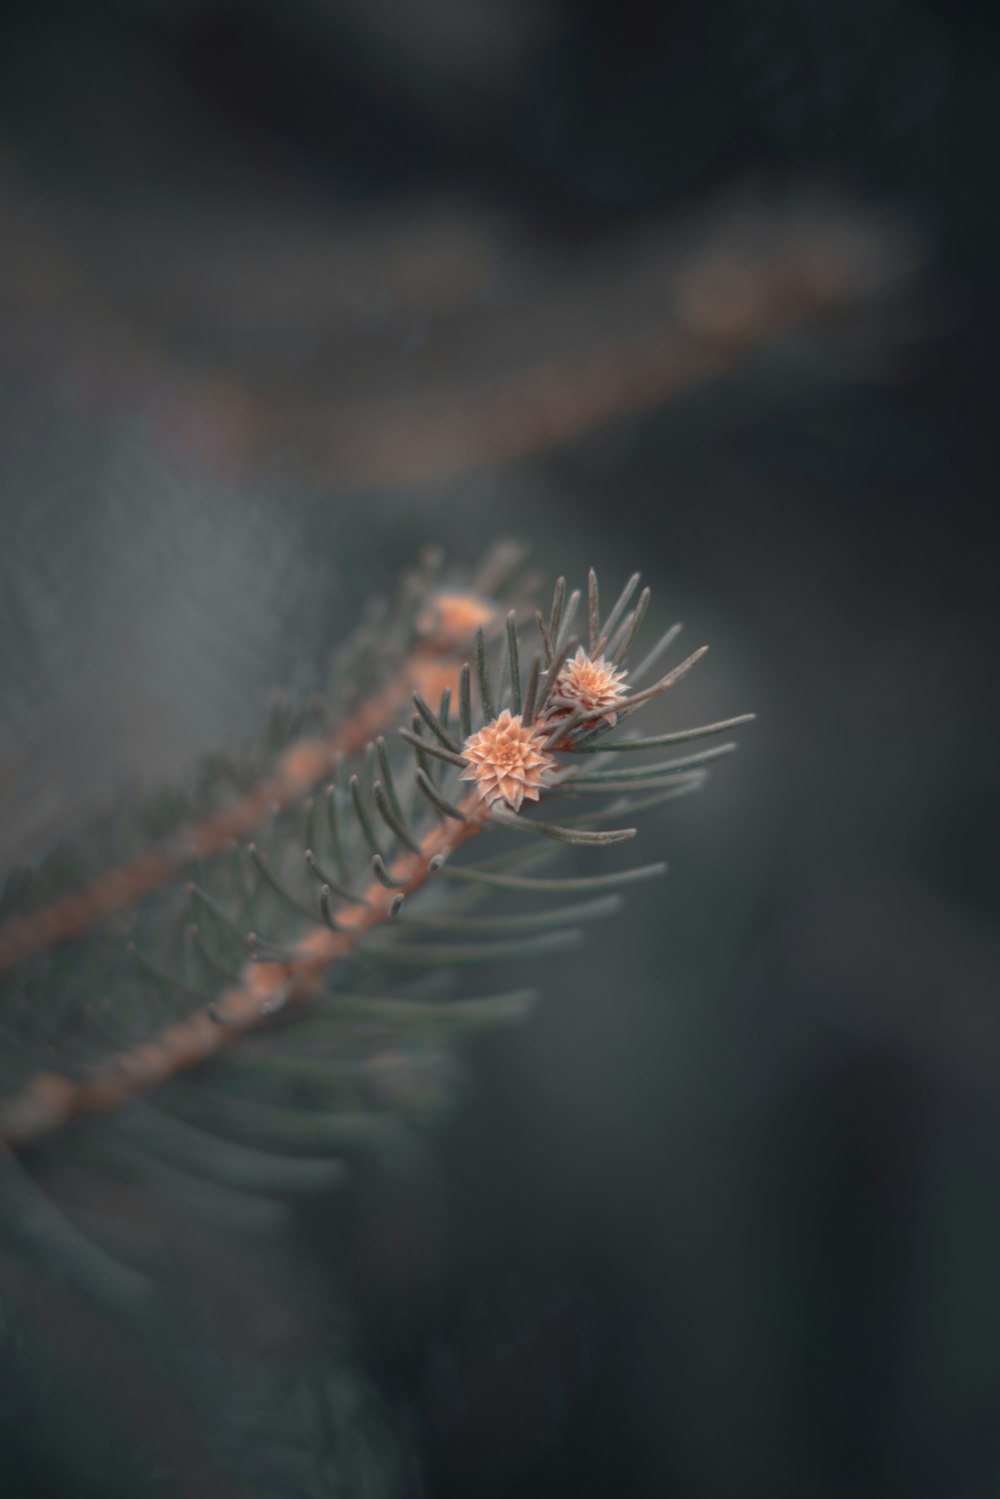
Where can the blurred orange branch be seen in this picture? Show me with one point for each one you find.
(518, 349)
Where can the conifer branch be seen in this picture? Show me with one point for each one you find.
(227, 982)
(50, 1101)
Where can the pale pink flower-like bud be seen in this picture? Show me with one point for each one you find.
(507, 761)
(591, 687)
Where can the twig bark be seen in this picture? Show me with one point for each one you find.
(300, 768)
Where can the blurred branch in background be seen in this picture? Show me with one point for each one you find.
(404, 346)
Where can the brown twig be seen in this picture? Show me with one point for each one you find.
(300, 768)
(50, 1100)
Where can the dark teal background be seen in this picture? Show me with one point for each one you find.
(724, 1219)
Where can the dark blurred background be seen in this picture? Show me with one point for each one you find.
(289, 291)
